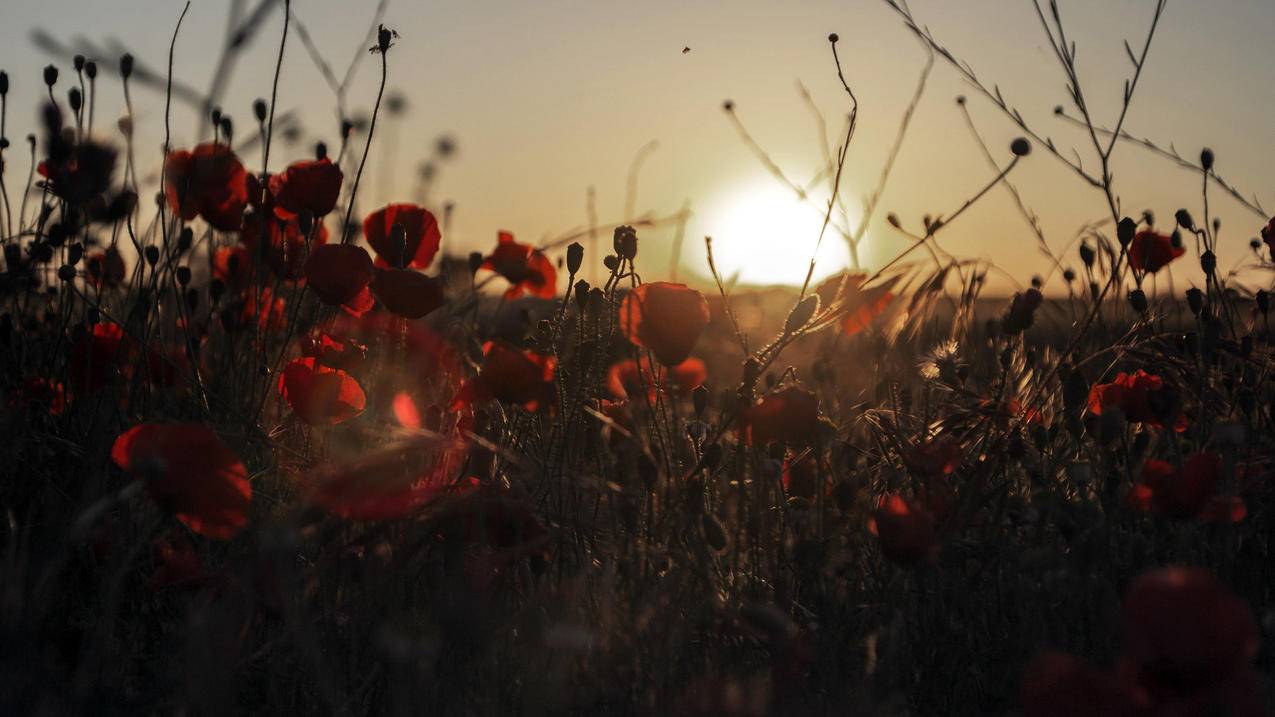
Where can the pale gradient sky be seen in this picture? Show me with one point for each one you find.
(549, 98)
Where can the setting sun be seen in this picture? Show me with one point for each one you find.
(767, 235)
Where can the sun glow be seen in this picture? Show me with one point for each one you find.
(767, 235)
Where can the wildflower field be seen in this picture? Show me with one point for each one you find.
(271, 449)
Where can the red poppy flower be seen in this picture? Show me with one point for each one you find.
(106, 269)
(933, 459)
(96, 355)
(510, 376)
(345, 354)
(389, 483)
(338, 273)
(407, 293)
(289, 247)
(1186, 632)
(232, 266)
(189, 471)
(844, 293)
(1056, 684)
(38, 391)
(624, 380)
(790, 415)
(905, 529)
(308, 186)
(320, 395)
(422, 236)
(1150, 251)
(665, 318)
(526, 268)
(81, 173)
(210, 182)
(1142, 397)
(1187, 492)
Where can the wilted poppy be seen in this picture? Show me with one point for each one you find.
(189, 471)
(845, 294)
(338, 273)
(665, 318)
(390, 482)
(1151, 251)
(95, 355)
(1185, 631)
(106, 269)
(320, 395)
(311, 186)
(509, 375)
(905, 529)
(790, 414)
(1142, 397)
(208, 181)
(624, 379)
(420, 237)
(407, 293)
(526, 268)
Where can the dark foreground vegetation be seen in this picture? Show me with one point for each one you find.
(268, 452)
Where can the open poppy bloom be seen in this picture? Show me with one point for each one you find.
(208, 181)
(905, 529)
(1151, 251)
(105, 269)
(288, 246)
(526, 268)
(1187, 638)
(407, 293)
(624, 379)
(665, 318)
(388, 483)
(189, 471)
(311, 186)
(845, 294)
(790, 414)
(96, 355)
(1142, 397)
(508, 375)
(338, 273)
(320, 395)
(1185, 493)
(421, 236)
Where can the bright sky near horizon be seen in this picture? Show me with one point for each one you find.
(547, 99)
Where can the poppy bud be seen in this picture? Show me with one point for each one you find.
(192, 299)
(728, 106)
(960, 100)
(183, 275)
(1255, 244)
(611, 262)
(699, 398)
(1069, 275)
(50, 75)
(893, 219)
(801, 314)
(833, 37)
(1263, 300)
(714, 532)
(575, 257)
(4, 83)
(185, 239)
(152, 255)
(1185, 220)
(1138, 300)
(320, 151)
(43, 253)
(625, 242)
(1087, 254)
(1020, 147)
(1208, 262)
(259, 109)
(1195, 300)
(1206, 159)
(75, 99)
(66, 272)
(582, 294)
(74, 253)
(1037, 282)
(90, 69)
(475, 261)
(78, 63)
(597, 299)
(1125, 231)
(126, 65)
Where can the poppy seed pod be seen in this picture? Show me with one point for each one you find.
(1020, 147)
(78, 63)
(1206, 159)
(259, 109)
(185, 239)
(50, 75)
(1195, 300)
(625, 242)
(1138, 300)
(1185, 220)
(1125, 231)
(183, 275)
(152, 255)
(90, 69)
(582, 294)
(575, 257)
(66, 272)
(75, 99)
(611, 262)
(1208, 262)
